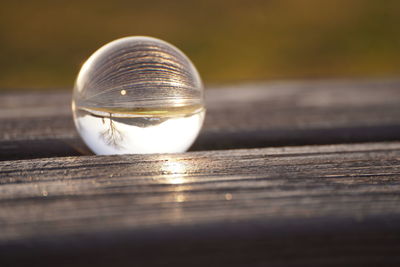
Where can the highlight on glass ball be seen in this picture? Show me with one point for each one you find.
(138, 95)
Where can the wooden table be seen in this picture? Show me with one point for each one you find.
(282, 174)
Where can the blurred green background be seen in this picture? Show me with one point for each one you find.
(44, 43)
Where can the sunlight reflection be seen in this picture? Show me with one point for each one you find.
(180, 198)
(174, 172)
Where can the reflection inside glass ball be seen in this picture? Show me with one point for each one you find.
(138, 95)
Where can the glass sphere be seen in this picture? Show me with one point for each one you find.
(138, 95)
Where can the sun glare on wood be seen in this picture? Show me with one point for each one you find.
(174, 172)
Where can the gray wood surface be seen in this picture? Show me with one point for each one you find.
(283, 174)
(246, 116)
(289, 206)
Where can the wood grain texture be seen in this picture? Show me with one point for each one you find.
(309, 205)
(329, 205)
(246, 116)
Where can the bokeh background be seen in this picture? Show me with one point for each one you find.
(44, 43)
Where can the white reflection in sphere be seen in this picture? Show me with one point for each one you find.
(138, 95)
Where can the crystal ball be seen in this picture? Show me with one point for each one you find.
(138, 95)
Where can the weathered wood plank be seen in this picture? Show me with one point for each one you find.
(289, 206)
(252, 115)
